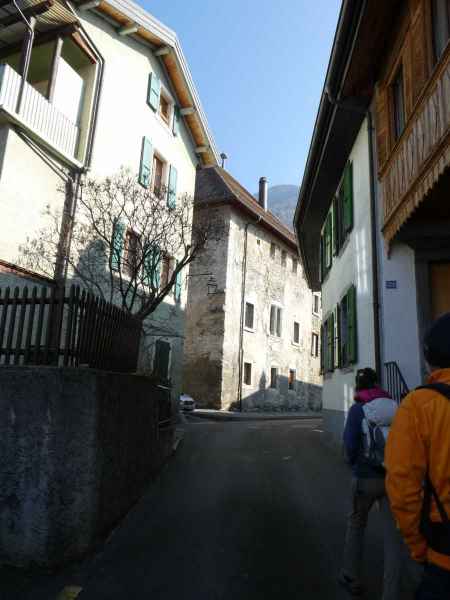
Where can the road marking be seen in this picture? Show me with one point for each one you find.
(70, 592)
(287, 457)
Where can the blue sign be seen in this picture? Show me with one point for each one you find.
(391, 285)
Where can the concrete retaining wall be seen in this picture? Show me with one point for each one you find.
(77, 448)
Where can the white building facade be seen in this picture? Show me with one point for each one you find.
(254, 343)
(107, 87)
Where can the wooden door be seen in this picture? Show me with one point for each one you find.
(440, 288)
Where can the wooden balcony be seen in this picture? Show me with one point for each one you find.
(37, 115)
(420, 155)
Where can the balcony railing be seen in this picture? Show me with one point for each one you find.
(37, 113)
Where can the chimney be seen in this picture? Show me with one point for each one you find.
(262, 200)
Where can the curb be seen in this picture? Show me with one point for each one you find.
(226, 416)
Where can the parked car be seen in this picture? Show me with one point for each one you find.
(187, 403)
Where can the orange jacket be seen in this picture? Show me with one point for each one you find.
(419, 436)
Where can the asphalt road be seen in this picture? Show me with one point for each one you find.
(244, 510)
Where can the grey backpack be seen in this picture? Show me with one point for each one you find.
(378, 417)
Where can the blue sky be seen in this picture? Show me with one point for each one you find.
(259, 66)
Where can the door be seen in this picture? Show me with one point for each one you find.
(440, 288)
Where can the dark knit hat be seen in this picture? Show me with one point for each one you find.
(436, 344)
(365, 379)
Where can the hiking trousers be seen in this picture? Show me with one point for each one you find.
(365, 492)
(435, 584)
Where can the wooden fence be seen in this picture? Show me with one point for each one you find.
(45, 326)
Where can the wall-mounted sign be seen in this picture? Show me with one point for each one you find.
(391, 285)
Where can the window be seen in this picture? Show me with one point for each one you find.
(347, 332)
(161, 360)
(275, 320)
(441, 26)
(316, 304)
(273, 377)
(296, 332)
(398, 102)
(248, 373)
(338, 223)
(291, 380)
(315, 345)
(164, 108)
(131, 252)
(327, 357)
(167, 269)
(258, 242)
(283, 258)
(273, 250)
(249, 315)
(294, 265)
(158, 168)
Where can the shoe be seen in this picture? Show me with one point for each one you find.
(351, 585)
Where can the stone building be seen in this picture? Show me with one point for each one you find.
(254, 342)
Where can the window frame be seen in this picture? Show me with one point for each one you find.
(277, 329)
(252, 326)
(315, 298)
(314, 344)
(439, 14)
(131, 268)
(246, 372)
(348, 328)
(158, 192)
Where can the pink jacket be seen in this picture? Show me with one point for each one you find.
(369, 394)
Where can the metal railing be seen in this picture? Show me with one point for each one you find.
(395, 381)
(37, 113)
(74, 329)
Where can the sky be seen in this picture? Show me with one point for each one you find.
(259, 67)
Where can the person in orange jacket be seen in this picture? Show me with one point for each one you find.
(417, 460)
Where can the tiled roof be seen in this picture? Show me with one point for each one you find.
(214, 185)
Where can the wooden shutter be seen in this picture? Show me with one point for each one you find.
(153, 91)
(321, 259)
(322, 349)
(176, 120)
(352, 339)
(117, 244)
(330, 342)
(347, 209)
(336, 337)
(145, 168)
(335, 210)
(328, 241)
(177, 287)
(172, 188)
(382, 124)
(419, 52)
(152, 267)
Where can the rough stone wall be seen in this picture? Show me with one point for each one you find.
(205, 316)
(77, 448)
(268, 282)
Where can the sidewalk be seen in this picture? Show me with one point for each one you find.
(225, 415)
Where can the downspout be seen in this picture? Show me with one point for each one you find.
(241, 327)
(373, 222)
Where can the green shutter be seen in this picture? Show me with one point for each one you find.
(321, 259)
(348, 198)
(336, 338)
(335, 226)
(322, 349)
(153, 91)
(152, 267)
(177, 288)
(352, 338)
(161, 360)
(117, 244)
(172, 188)
(328, 241)
(145, 168)
(330, 340)
(176, 120)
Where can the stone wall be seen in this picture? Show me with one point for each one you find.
(77, 449)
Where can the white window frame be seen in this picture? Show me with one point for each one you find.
(315, 344)
(164, 92)
(314, 296)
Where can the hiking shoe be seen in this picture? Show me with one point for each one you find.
(351, 585)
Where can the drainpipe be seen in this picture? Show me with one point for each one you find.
(26, 53)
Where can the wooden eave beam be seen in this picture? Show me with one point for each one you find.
(128, 29)
(88, 5)
(202, 149)
(32, 11)
(163, 51)
(39, 38)
(187, 110)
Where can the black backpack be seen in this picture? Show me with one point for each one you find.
(436, 534)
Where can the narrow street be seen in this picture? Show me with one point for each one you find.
(243, 510)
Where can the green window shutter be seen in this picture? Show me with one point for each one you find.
(321, 259)
(177, 288)
(322, 349)
(172, 188)
(161, 360)
(335, 226)
(145, 168)
(176, 120)
(117, 244)
(331, 342)
(347, 208)
(328, 241)
(352, 338)
(153, 91)
(152, 267)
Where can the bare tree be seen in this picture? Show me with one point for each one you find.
(128, 244)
